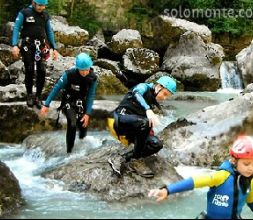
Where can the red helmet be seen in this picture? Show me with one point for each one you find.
(242, 148)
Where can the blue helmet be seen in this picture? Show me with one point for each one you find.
(83, 61)
(168, 83)
(41, 2)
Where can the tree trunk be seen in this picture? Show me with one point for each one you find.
(72, 8)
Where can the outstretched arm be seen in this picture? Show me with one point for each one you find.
(62, 82)
(181, 186)
(210, 180)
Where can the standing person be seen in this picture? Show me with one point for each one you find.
(33, 24)
(134, 119)
(79, 84)
(231, 186)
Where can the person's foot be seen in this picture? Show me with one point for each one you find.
(140, 167)
(29, 100)
(37, 102)
(117, 162)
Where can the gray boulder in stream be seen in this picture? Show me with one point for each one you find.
(90, 172)
(203, 138)
(10, 192)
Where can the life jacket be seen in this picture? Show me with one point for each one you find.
(226, 200)
(34, 24)
(132, 106)
(121, 138)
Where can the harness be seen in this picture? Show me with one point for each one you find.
(37, 56)
(33, 33)
(78, 106)
(42, 50)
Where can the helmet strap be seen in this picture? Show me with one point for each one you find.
(156, 92)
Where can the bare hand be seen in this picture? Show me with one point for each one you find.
(15, 51)
(55, 55)
(160, 194)
(152, 117)
(85, 120)
(44, 110)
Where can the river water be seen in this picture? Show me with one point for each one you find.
(47, 199)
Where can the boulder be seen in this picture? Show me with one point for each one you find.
(10, 191)
(167, 30)
(245, 64)
(124, 39)
(194, 63)
(203, 138)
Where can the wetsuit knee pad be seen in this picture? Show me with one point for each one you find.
(153, 145)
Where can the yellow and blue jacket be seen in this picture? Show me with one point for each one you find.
(225, 198)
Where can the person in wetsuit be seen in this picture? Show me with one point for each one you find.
(134, 119)
(79, 87)
(231, 186)
(37, 37)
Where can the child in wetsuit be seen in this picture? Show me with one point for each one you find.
(231, 186)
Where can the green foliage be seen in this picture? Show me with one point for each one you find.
(226, 25)
(201, 4)
(232, 23)
(139, 14)
(10, 9)
(84, 16)
(55, 7)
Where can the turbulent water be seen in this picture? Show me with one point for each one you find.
(47, 198)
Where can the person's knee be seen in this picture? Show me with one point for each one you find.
(153, 145)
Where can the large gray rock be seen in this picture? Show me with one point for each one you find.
(167, 30)
(10, 191)
(12, 92)
(141, 61)
(125, 38)
(6, 55)
(108, 83)
(29, 121)
(69, 35)
(93, 174)
(17, 72)
(72, 51)
(194, 63)
(4, 74)
(202, 138)
(245, 64)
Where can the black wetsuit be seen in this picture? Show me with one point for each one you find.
(35, 26)
(131, 121)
